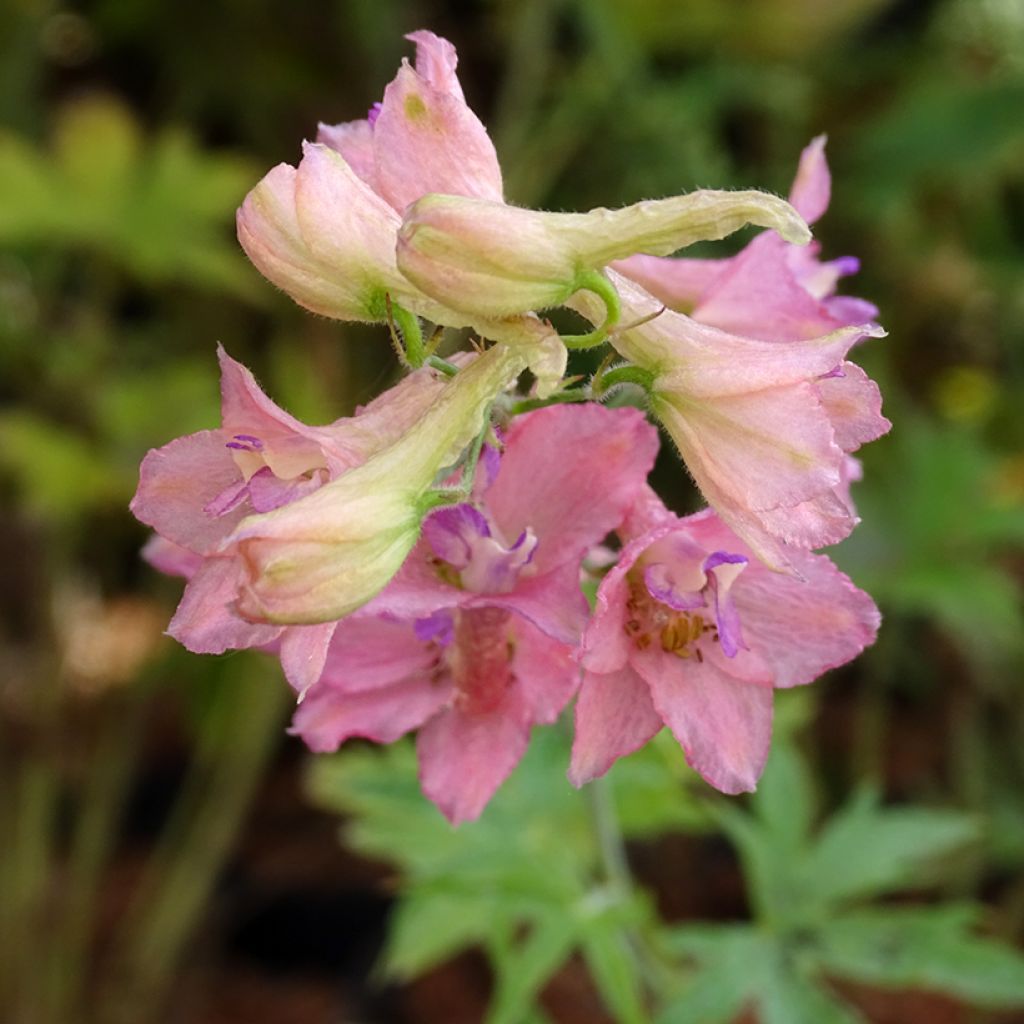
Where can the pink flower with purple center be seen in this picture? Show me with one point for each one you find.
(473, 642)
(692, 632)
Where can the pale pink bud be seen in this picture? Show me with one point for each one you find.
(489, 259)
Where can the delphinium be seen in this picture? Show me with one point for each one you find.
(422, 565)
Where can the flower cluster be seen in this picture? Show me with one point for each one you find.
(421, 565)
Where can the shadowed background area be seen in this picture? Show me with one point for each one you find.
(166, 851)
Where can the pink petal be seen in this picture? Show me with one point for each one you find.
(177, 481)
(759, 297)
(205, 622)
(268, 230)
(436, 61)
(167, 557)
(553, 602)
(345, 224)
(373, 653)
(723, 725)
(765, 449)
(570, 475)
(705, 361)
(800, 627)
(289, 447)
(812, 187)
(614, 717)
(303, 652)
(329, 716)
(546, 671)
(428, 140)
(677, 281)
(854, 405)
(465, 757)
(354, 141)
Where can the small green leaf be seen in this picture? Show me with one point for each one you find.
(866, 851)
(929, 948)
(424, 931)
(788, 996)
(526, 967)
(724, 981)
(613, 966)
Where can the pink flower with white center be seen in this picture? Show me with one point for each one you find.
(691, 632)
(472, 643)
(197, 489)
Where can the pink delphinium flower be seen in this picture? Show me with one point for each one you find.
(473, 641)
(690, 631)
(197, 489)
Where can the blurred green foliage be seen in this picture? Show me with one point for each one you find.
(130, 131)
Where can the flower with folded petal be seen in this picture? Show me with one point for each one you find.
(764, 427)
(196, 490)
(325, 232)
(321, 557)
(473, 641)
(691, 632)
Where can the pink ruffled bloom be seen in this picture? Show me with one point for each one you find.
(691, 632)
(196, 490)
(754, 386)
(473, 642)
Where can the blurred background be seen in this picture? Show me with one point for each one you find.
(167, 853)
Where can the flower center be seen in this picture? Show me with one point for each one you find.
(649, 620)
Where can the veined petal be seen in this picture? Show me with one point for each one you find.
(205, 621)
(466, 756)
(426, 139)
(178, 481)
(354, 141)
(854, 405)
(303, 653)
(329, 717)
(723, 725)
(570, 475)
(766, 449)
(812, 187)
(614, 717)
(268, 230)
(800, 627)
(545, 669)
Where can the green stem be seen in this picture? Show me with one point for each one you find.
(610, 843)
(594, 281)
(626, 374)
(448, 369)
(561, 398)
(412, 334)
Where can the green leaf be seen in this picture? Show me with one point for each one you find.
(614, 967)
(724, 981)
(425, 932)
(525, 968)
(788, 996)
(867, 851)
(785, 799)
(929, 948)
